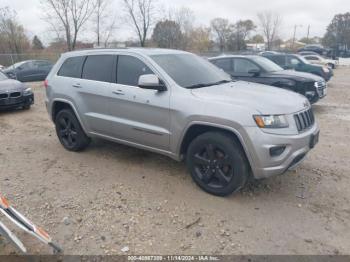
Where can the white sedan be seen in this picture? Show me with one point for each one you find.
(319, 60)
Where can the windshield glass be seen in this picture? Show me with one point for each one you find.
(267, 64)
(2, 76)
(191, 71)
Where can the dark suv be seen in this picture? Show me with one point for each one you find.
(299, 63)
(261, 70)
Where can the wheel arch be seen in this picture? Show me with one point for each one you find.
(196, 129)
(60, 104)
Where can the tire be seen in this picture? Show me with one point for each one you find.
(70, 132)
(217, 163)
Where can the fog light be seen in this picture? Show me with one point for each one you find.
(277, 150)
(310, 94)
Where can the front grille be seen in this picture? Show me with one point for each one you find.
(304, 120)
(15, 94)
(4, 96)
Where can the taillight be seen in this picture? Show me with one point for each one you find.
(46, 83)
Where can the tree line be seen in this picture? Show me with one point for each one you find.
(68, 19)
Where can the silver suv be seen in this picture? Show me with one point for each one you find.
(180, 105)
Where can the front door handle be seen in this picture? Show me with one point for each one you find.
(77, 86)
(119, 93)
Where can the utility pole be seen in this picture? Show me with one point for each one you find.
(294, 35)
(308, 34)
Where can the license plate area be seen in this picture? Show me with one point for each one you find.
(314, 140)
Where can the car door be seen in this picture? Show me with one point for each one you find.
(139, 115)
(87, 80)
(25, 71)
(44, 68)
(242, 68)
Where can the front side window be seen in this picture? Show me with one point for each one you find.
(72, 67)
(244, 66)
(99, 68)
(130, 69)
(267, 64)
(191, 71)
(224, 64)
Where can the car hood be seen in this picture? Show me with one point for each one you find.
(11, 85)
(262, 98)
(295, 75)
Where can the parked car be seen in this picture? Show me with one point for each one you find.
(319, 49)
(304, 53)
(180, 105)
(259, 69)
(319, 60)
(31, 70)
(14, 94)
(299, 63)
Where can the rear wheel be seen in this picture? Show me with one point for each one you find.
(217, 163)
(70, 132)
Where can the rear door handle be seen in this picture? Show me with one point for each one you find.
(77, 86)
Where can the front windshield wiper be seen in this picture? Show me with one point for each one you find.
(208, 84)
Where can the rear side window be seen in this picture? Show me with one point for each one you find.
(72, 67)
(224, 64)
(130, 69)
(99, 68)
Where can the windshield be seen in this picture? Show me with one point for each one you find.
(191, 71)
(267, 64)
(2, 76)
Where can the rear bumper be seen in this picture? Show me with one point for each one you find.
(296, 149)
(12, 103)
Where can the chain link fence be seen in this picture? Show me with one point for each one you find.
(10, 59)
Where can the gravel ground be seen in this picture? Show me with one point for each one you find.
(112, 199)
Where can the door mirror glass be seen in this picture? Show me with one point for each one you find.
(152, 82)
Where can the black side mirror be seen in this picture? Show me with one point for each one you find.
(254, 72)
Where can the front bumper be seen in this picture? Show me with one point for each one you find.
(259, 144)
(12, 103)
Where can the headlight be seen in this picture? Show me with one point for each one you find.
(271, 121)
(27, 91)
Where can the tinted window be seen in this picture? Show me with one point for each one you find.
(188, 70)
(293, 61)
(99, 68)
(72, 67)
(224, 64)
(42, 64)
(266, 64)
(244, 66)
(280, 60)
(130, 69)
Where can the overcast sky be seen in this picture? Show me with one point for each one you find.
(316, 13)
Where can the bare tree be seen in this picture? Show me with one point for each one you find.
(141, 14)
(12, 35)
(69, 16)
(270, 24)
(103, 21)
(221, 28)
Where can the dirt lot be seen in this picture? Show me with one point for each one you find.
(111, 196)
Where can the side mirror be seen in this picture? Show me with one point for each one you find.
(254, 72)
(151, 82)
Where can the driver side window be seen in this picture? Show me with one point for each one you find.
(293, 61)
(130, 69)
(244, 66)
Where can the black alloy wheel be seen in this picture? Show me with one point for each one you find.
(217, 164)
(69, 131)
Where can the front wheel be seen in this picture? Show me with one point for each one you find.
(70, 132)
(217, 163)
